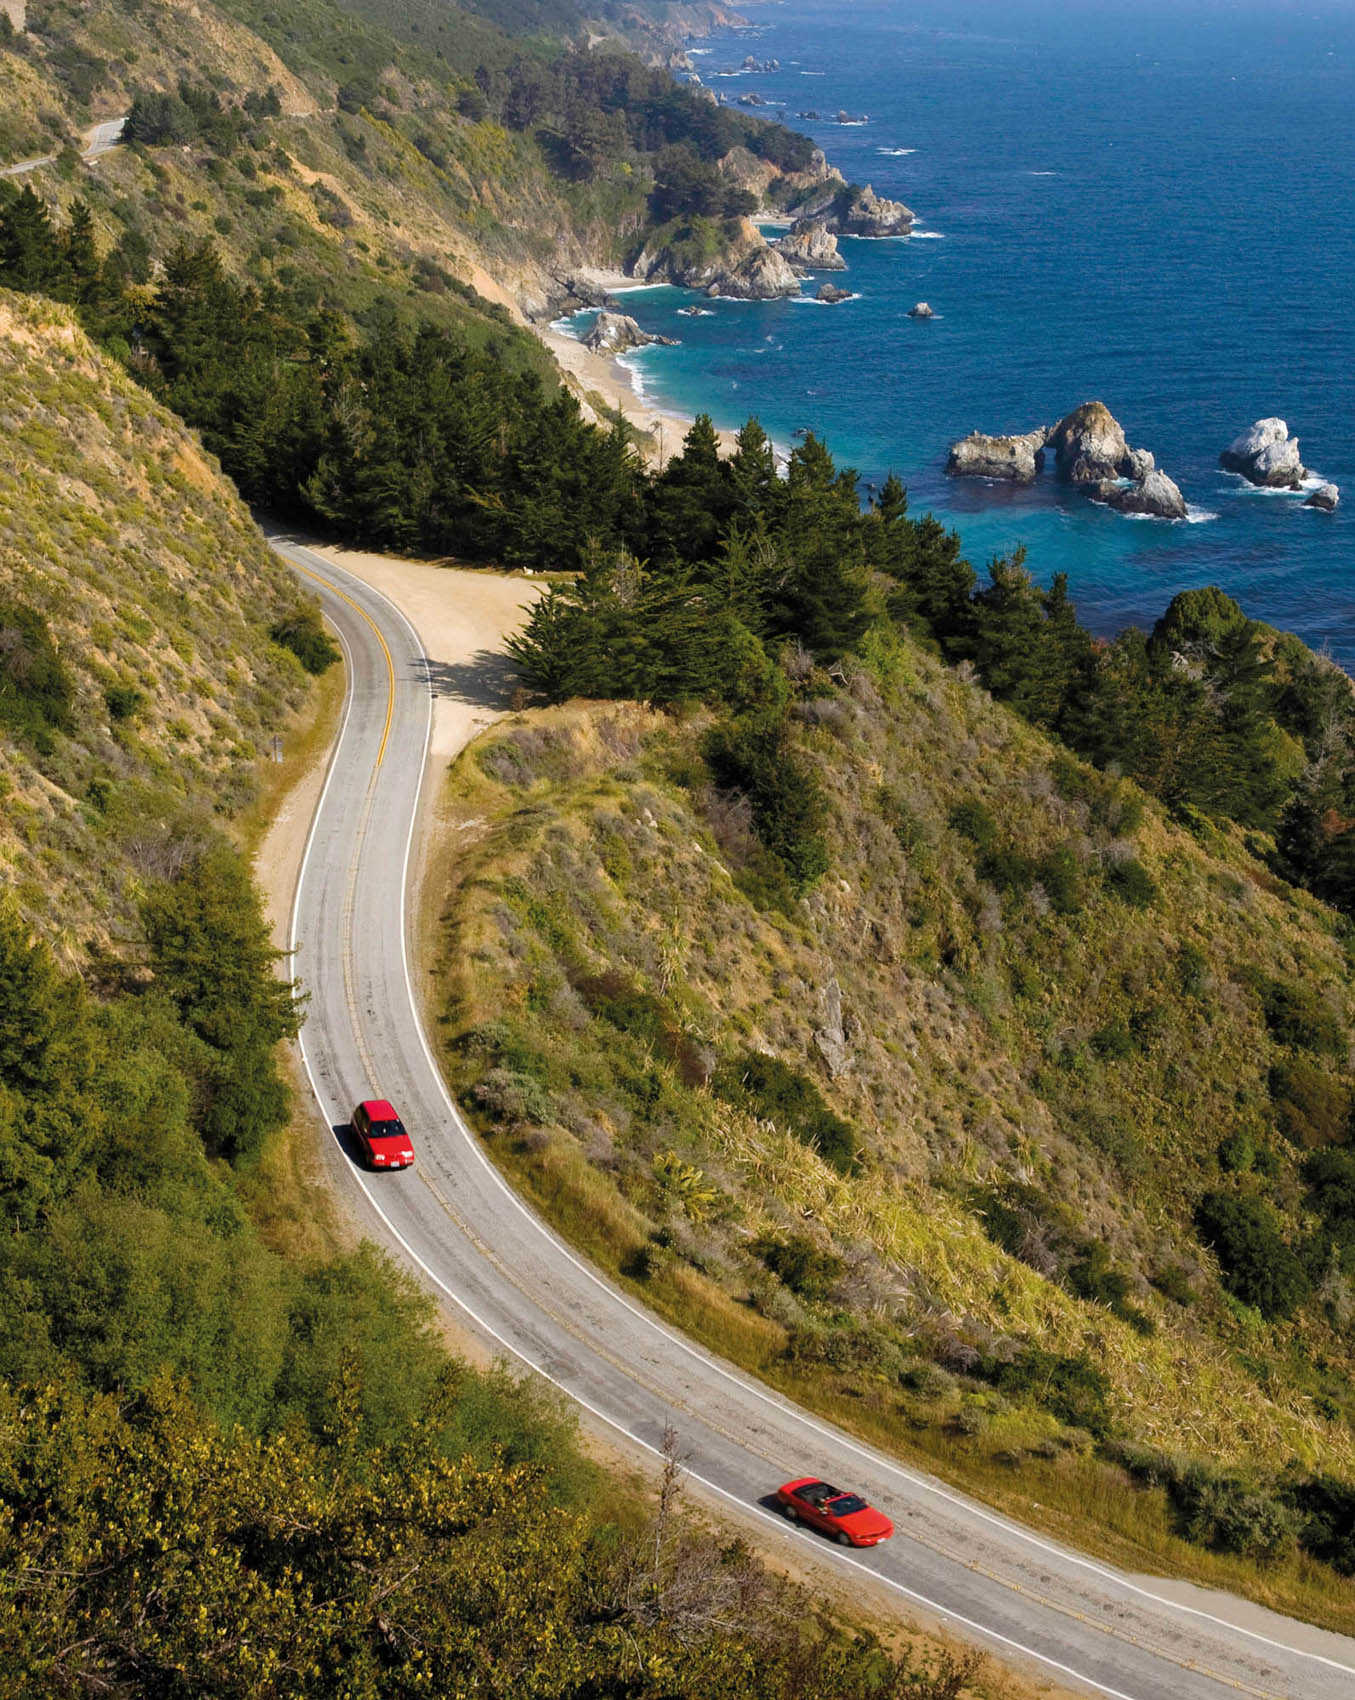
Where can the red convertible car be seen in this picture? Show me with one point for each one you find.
(844, 1515)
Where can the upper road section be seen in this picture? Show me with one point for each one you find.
(456, 1222)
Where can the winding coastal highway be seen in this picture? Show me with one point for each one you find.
(456, 1223)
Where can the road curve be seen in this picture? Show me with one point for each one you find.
(101, 139)
(460, 1227)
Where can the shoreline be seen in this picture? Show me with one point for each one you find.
(606, 386)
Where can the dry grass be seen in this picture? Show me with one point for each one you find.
(575, 847)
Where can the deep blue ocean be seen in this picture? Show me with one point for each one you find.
(1150, 205)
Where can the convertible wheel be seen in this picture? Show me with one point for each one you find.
(843, 1538)
(790, 1513)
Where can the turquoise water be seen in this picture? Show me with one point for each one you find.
(1154, 209)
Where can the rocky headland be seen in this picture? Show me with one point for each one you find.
(1267, 456)
(1090, 451)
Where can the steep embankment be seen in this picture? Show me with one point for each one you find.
(942, 1133)
(137, 678)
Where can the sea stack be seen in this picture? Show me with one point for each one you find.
(1089, 445)
(1013, 460)
(1326, 497)
(615, 333)
(1155, 496)
(1267, 456)
(921, 311)
(830, 293)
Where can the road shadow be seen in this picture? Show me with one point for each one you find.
(487, 680)
(347, 1142)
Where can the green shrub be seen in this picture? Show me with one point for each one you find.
(1060, 874)
(35, 689)
(1222, 1511)
(1299, 1016)
(303, 632)
(1237, 1153)
(1131, 882)
(1258, 1266)
(1325, 1507)
(1070, 1388)
(1312, 1105)
(972, 820)
(753, 754)
(775, 1092)
(799, 1264)
(122, 701)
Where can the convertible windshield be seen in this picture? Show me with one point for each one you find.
(845, 1504)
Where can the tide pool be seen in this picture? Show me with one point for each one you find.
(1154, 211)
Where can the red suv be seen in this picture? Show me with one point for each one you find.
(382, 1136)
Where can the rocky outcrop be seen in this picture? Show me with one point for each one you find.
(1014, 460)
(921, 311)
(1266, 455)
(1326, 497)
(1089, 450)
(1089, 445)
(811, 247)
(1155, 495)
(761, 275)
(777, 190)
(747, 268)
(615, 333)
(830, 293)
(848, 209)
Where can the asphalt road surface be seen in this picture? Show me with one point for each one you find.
(474, 1243)
(103, 138)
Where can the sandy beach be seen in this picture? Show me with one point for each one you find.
(603, 383)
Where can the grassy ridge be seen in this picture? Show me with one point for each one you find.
(158, 593)
(1043, 1075)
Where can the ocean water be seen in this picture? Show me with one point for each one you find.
(1155, 208)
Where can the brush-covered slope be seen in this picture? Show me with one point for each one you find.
(367, 149)
(138, 680)
(943, 1140)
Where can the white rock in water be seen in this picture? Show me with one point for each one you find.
(1326, 497)
(1266, 455)
(921, 311)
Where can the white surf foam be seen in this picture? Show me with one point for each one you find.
(927, 236)
(1198, 516)
(896, 153)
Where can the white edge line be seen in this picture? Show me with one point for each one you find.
(785, 1407)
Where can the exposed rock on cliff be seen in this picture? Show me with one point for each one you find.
(733, 259)
(1155, 495)
(813, 247)
(761, 275)
(850, 210)
(614, 333)
(1326, 497)
(1266, 455)
(1016, 460)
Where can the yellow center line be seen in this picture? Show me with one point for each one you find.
(385, 650)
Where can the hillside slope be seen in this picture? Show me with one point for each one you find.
(132, 572)
(941, 1133)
